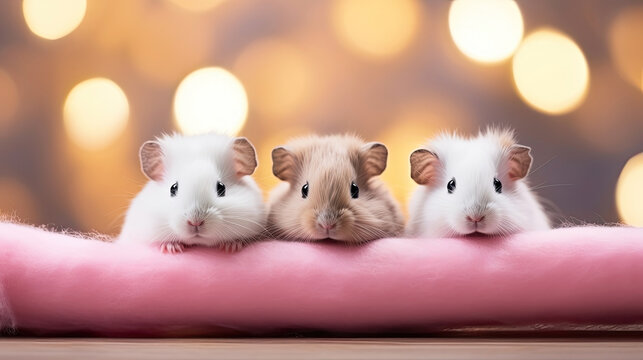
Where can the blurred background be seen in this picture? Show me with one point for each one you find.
(84, 82)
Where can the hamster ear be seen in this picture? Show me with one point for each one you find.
(424, 166)
(519, 161)
(245, 157)
(373, 158)
(151, 157)
(283, 163)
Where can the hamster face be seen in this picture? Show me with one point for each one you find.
(206, 204)
(198, 194)
(326, 208)
(471, 185)
(331, 193)
(472, 197)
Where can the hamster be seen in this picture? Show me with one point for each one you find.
(473, 186)
(199, 193)
(330, 190)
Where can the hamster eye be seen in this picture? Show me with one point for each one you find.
(220, 189)
(497, 185)
(451, 186)
(304, 190)
(174, 188)
(354, 190)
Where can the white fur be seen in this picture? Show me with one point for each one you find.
(473, 162)
(196, 163)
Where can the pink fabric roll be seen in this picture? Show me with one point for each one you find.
(52, 282)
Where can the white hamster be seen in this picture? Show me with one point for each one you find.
(199, 193)
(473, 186)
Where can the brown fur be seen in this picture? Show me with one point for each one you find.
(329, 164)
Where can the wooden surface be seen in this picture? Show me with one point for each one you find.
(456, 348)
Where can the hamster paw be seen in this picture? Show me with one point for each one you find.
(232, 247)
(171, 247)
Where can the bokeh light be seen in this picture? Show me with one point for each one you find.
(277, 76)
(629, 192)
(96, 112)
(210, 99)
(550, 72)
(17, 202)
(197, 5)
(379, 28)
(625, 37)
(8, 100)
(488, 31)
(53, 19)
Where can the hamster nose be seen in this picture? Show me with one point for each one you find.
(475, 218)
(196, 222)
(326, 226)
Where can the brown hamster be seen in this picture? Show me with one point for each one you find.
(331, 191)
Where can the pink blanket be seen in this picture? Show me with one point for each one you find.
(51, 282)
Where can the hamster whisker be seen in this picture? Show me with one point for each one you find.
(277, 232)
(543, 186)
(372, 232)
(371, 229)
(235, 226)
(507, 228)
(542, 165)
(166, 235)
(243, 223)
(239, 217)
(238, 225)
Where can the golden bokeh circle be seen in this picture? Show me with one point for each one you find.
(629, 192)
(53, 19)
(210, 99)
(550, 72)
(95, 113)
(487, 31)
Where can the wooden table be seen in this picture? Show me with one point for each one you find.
(594, 347)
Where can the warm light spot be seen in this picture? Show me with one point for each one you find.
(629, 192)
(53, 19)
(197, 5)
(625, 37)
(8, 100)
(16, 202)
(379, 28)
(96, 113)
(210, 99)
(550, 72)
(277, 77)
(488, 31)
